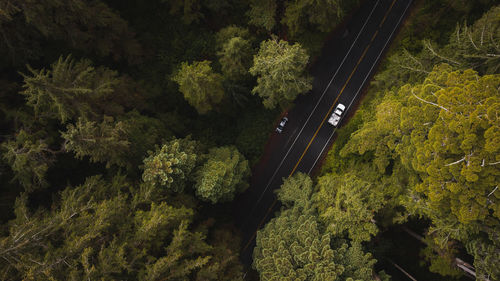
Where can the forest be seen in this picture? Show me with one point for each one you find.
(127, 128)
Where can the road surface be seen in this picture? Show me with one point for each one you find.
(347, 62)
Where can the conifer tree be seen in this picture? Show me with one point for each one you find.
(280, 70)
(200, 85)
(96, 231)
(222, 176)
(262, 13)
(170, 166)
(29, 159)
(347, 204)
(71, 89)
(87, 26)
(293, 247)
(102, 142)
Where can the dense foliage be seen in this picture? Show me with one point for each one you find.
(424, 146)
(126, 126)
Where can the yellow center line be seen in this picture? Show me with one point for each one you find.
(385, 17)
(322, 122)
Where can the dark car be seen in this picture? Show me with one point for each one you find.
(281, 125)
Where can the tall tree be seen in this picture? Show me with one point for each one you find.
(102, 142)
(72, 89)
(281, 74)
(97, 232)
(262, 13)
(224, 174)
(200, 85)
(170, 166)
(323, 14)
(347, 204)
(29, 157)
(292, 245)
(235, 58)
(82, 25)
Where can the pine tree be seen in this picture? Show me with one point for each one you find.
(223, 175)
(292, 246)
(102, 142)
(347, 204)
(29, 159)
(262, 13)
(280, 70)
(170, 166)
(87, 26)
(200, 85)
(71, 89)
(96, 231)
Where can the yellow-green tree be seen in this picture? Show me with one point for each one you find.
(200, 85)
(292, 246)
(224, 174)
(281, 72)
(170, 166)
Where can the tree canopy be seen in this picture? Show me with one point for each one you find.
(280, 70)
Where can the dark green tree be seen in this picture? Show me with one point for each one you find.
(87, 26)
(224, 174)
(200, 85)
(96, 231)
(71, 89)
(280, 70)
(29, 158)
(103, 142)
(235, 58)
(262, 13)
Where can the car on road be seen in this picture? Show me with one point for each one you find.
(282, 124)
(337, 113)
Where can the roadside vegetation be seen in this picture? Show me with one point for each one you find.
(127, 127)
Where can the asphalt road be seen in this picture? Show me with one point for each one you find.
(347, 62)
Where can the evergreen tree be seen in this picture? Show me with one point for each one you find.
(104, 142)
(170, 166)
(71, 90)
(235, 58)
(97, 232)
(29, 158)
(201, 87)
(280, 68)
(223, 175)
(262, 13)
(87, 26)
(292, 247)
(323, 14)
(347, 204)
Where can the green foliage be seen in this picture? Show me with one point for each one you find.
(102, 142)
(441, 258)
(486, 260)
(70, 90)
(293, 247)
(223, 175)
(347, 204)
(324, 14)
(262, 13)
(96, 232)
(170, 166)
(200, 85)
(235, 58)
(280, 68)
(29, 159)
(229, 32)
(85, 26)
(477, 46)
